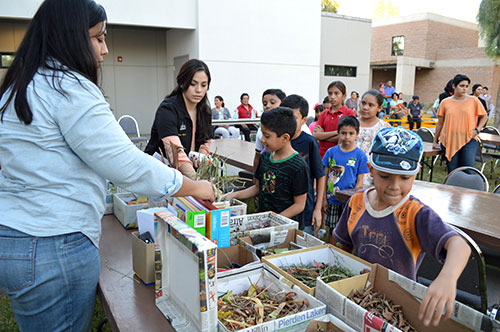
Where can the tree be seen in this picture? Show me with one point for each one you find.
(489, 26)
(385, 9)
(329, 6)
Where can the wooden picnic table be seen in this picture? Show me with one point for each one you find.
(475, 212)
(234, 122)
(490, 139)
(237, 152)
(128, 303)
(429, 151)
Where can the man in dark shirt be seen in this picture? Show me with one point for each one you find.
(415, 109)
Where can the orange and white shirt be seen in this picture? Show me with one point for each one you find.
(397, 237)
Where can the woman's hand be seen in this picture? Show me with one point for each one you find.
(205, 190)
(436, 145)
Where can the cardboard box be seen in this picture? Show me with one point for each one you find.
(322, 254)
(238, 208)
(259, 223)
(217, 225)
(239, 281)
(402, 291)
(185, 275)
(191, 215)
(124, 212)
(243, 257)
(292, 239)
(146, 219)
(328, 323)
(143, 259)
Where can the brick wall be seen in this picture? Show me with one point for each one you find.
(415, 38)
(382, 76)
(423, 39)
(429, 83)
(461, 53)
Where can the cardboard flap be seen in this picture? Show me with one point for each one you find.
(410, 305)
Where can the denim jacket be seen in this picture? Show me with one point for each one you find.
(52, 179)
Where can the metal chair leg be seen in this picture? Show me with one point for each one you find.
(101, 324)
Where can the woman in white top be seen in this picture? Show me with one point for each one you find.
(59, 141)
(220, 112)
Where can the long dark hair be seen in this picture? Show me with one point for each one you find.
(203, 112)
(375, 93)
(339, 85)
(221, 101)
(59, 31)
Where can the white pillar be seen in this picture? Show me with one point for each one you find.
(405, 77)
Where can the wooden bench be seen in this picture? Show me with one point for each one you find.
(426, 122)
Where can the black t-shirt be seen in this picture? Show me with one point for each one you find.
(280, 181)
(308, 148)
(415, 109)
(172, 119)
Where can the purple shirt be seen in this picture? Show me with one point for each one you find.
(397, 237)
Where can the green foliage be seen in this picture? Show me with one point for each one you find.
(329, 6)
(489, 23)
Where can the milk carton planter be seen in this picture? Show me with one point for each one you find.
(124, 212)
(401, 291)
(291, 239)
(238, 208)
(185, 275)
(238, 282)
(323, 254)
(259, 223)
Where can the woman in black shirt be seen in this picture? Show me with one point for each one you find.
(183, 120)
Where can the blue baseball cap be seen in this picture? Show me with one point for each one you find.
(396, 150)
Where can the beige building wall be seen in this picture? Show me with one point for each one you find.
(135, 86)
(345, 41)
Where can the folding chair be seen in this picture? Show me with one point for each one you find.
(425, 134)
(497, 190)
(483, 158)
(493, 131)
(467, 177)
(492, 150)
(131, 128)
(471, 285)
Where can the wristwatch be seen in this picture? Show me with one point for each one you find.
(477, 130)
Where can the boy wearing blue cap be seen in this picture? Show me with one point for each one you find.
(386, 225)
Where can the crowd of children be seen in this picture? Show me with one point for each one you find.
(297, 175)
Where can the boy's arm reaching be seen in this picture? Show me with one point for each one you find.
(443, 289)
(246, 193)
(299, 203)
(359, 182)
(320, 193)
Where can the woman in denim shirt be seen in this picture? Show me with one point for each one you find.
(59, 141)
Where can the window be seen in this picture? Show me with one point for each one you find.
(346, 71)
(6, 59)
(398, 45)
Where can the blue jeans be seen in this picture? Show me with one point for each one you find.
(466, 156)
(308, 229)
(51, 281)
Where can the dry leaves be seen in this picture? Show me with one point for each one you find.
(381, 307)
(255, 306)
